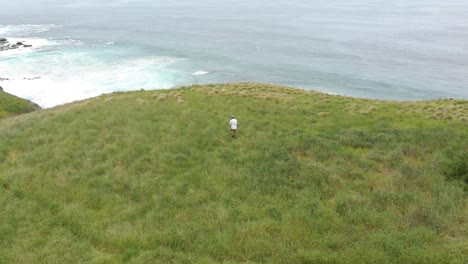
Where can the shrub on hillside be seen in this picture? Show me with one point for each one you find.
(455, 166)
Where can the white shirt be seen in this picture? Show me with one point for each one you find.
(233, 123)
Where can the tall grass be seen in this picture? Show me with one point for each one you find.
(154, 177)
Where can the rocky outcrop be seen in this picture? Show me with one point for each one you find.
(11, 105)
(34, 105)
(5, 45)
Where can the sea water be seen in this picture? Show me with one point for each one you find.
(392, 50)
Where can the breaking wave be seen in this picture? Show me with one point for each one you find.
(58, 71)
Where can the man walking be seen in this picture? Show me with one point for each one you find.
(233, 126)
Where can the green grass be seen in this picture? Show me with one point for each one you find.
(11, 105)
(154, 177)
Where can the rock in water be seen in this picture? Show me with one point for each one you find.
(4, 45)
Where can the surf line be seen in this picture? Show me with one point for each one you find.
(198, 73)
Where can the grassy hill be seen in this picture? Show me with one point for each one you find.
(11, 105)
(154, 177)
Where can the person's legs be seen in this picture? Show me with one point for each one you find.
(233, 133)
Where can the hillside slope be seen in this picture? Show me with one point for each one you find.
(154, 177)
(11, 105)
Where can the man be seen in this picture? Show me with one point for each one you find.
(233, 126)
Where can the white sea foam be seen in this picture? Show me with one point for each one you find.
(197, 73)
(67, 77)
(48, 91)
(70, 41)
(25, 30)
(74, 69)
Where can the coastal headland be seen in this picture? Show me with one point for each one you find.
(154, 176)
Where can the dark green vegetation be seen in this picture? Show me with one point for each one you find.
(11, 105)
(154, 177)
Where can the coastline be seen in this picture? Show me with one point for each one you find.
(234, 84)
(11, 105)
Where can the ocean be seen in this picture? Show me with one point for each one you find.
(379, 49)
